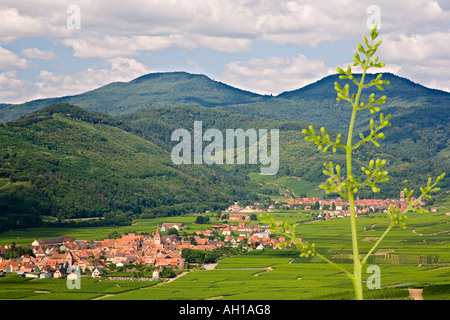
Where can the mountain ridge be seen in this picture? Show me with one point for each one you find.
(69, 162)
(144, 92)
(172, 89)
(357, 75)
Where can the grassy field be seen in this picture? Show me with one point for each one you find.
(417, 257)
(281, 280)
(13, 287)
(256, 276)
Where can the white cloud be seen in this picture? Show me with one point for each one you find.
(35, 53)
(13, 25)
(431, 73)
(312, 22)
(112, 46)
(223, 44)
(242, 19)
(232, 24)
(9, 60)
(419, 57)
(54, 84)
(416, 47)
(195, 65)
(51, 84)
(27, 22)
(274, 75)
(12, 87)
(416, 38)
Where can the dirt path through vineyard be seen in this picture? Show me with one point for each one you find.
(415, 294)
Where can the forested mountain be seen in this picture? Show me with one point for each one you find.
(110, 155)
(67, 162)
(419, 114)
(299, 158)
(149, 91)
(314, 102)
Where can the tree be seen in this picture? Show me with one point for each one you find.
(15, 252)
(167, 273)
(113, 235)
(202, 220)
(315, 206)
(192, 241)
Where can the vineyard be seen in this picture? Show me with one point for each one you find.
(421, 259)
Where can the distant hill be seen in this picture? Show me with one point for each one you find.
(149, 91)
(420, 115)
(410, 103)
(315, 102)
(110, 155)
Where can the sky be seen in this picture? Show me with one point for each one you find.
(52, 48)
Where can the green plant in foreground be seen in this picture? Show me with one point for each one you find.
(348, 185)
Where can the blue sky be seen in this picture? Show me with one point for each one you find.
(263, 46)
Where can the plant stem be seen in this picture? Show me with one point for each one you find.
(357, 268)
(335, 265)
(375, 246)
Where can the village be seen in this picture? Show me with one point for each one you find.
(330, 208)
(51, 258)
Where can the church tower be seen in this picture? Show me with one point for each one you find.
(402, 196)
(157, 237)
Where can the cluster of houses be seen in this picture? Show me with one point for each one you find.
(247, 209)
(53, 257)
(341, 209)
(335, 208)
(252, 236)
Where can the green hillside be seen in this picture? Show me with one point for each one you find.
(114, 162)
(315, 102)
(419, 114)
(66, 162)
(298, 158)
